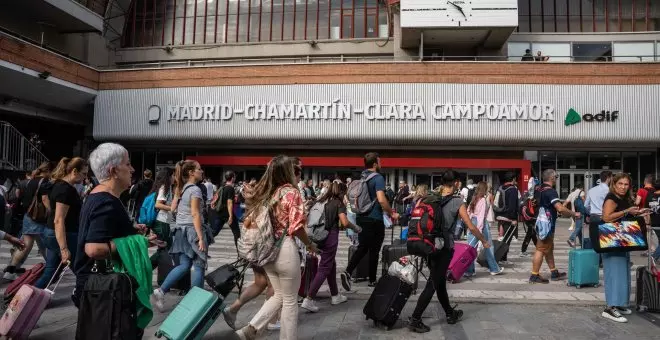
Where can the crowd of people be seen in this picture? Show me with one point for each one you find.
(76, 216)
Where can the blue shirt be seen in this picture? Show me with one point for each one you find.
(375, 185)
(547, 199)
(596, 198)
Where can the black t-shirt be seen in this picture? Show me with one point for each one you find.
(102, 218)
(65, 193)
(228, 193)
(27, 195)
(333, 208)
(654, 204)
(621, 204)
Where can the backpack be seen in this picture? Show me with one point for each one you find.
(499, 205)
(258, 245)
(216, 202)
(530, 205)
(358, 195)
(470, 194)
(148, 211)
(579, 205)
(37, 210)
(649, 197)
(108, 306)
(426, 224)
(316, 226)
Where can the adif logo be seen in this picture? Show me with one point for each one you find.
(154, 114)
(573, 117)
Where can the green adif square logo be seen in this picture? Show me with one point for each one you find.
(573, 117)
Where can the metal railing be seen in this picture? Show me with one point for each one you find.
(16, 151)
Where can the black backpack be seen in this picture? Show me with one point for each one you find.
(108, 308)
(649, 197)
(470, 194)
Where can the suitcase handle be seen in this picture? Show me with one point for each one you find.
(66, 267)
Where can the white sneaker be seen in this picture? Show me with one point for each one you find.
(501, 271)
(274, 326)
(337, 299)
(515, 239)
(624, 311)
(158, 299)
(614, 315)
(525, 254)
(310, 305)
(501, 238)
(247, 333)
(10, 276)
(230, 318)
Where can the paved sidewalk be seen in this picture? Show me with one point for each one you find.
(346, 321)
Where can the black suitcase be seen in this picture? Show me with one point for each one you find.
(165, 265)
(387, 301)
(501, 248)
(392, 253)
(361, 273)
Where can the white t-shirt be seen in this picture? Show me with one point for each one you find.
(210, 189)
(164, 215)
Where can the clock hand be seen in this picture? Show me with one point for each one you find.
(458, 8)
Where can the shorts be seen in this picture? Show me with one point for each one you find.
(546, 246)
(31, 227)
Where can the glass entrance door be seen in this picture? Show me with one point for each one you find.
(570, 179)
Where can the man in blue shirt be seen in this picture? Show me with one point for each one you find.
(373, 227)
(548, 199)
(596, 197)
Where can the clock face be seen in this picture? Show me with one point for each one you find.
(459, 10)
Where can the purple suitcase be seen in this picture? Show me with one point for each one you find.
(464, 256)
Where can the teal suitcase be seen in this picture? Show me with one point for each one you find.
(193, 316)
(583, 268)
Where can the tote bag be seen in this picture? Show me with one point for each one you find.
(629, 235)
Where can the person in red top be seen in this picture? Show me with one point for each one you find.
(643, 193)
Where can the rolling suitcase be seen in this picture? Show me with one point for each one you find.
(193, 316)
(393, 253)
(361, 272)
(165, 264)
(28, 278)
(25, 309)
(308, 273)
(387, 301)
(647, 294)
(583, 268)
(464, 256)
(501, 248)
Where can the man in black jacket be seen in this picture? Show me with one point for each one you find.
(506, 209)
(141, 190)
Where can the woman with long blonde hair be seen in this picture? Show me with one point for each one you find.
(478, 211)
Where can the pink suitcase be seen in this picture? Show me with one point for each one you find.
(25, 309)
(464, 256)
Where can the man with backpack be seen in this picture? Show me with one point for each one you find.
(367, 199)
(576, 202)
(645, 194)
(140, 191)
(506, 209)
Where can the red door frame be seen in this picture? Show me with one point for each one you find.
(525, 166)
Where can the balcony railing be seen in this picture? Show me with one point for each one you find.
(16, 151)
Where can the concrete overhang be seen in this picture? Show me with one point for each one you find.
(487, 37)
(66, 16)
(23, 85)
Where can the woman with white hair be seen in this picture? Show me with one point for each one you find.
(103, 216)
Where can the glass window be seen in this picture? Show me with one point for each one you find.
(335, 22)
(278, 12)
(548, 160)
(383, 25)
(255, 20)
(312, 12)
(266, 16)
(572, 160)
(324, 20)
(358, 23)
(647, 164)
(592, 52)
(605, 161)
(630, 166)
(516, 50)
(633, 51)
(557, 52)
(288, 19)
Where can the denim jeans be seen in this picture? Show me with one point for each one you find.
(53, 255)
(493, 267)
(577, 232)
(182, 269)
(616, 276)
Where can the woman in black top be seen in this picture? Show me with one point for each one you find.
(35, 189)
(61, 233)
(618, 206)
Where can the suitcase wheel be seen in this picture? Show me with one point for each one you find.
(158, 334)
(597, 285)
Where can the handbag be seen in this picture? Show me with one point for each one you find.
(628, 235)
(543, 224)
(226, 277)
(37, 210)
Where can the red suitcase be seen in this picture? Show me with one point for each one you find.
(29, 277)
(464, 256)
(308, 274)
(25, 309)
